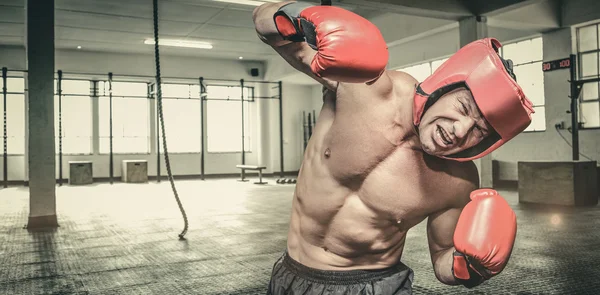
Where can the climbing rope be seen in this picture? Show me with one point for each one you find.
(162, 122)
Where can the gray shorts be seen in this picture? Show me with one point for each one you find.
(289, 277)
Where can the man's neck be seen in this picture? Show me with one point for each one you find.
(405, 118)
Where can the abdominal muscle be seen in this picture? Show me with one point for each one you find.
(331, 228)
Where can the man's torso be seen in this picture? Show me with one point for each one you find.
(360, 188)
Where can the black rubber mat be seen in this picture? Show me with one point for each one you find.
(122, 239)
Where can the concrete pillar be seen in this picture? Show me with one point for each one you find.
(41, 149)
(471, 29)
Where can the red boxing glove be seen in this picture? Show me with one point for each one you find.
(484, 238)
(350, 48)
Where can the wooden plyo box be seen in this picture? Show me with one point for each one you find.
(134, 171)
(80, 172)
(571, 183)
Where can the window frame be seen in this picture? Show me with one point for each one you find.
(247, 119)
(89, 96)
(10, 95)
(580, 100)
(103, 93)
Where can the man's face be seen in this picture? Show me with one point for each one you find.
(452, 124)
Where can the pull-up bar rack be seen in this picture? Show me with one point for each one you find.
(203, 97)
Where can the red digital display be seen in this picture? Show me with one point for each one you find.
(564, 63)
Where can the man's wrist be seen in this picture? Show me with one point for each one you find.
(463, 271)
(443, 267)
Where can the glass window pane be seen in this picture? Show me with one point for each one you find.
(589, 64)
(76, 116)
(224, 126)
(182, 125)
(513, 52)
(219, 92)
(531, 78)
(13, 85)
(590, 91)
(195, 91)
(590, 114)
(538, 120)
(508, 51)
(523, 53)
(74, 87)
(15, 123)
(127, 89)
(587, 38)
(436, 64)
(130, 125)
(419, 72)
(536, 49)
(176, 90)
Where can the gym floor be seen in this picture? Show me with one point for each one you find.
(123, 239)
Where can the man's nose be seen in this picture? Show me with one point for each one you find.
(463, 126)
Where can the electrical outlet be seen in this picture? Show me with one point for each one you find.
(560, 125)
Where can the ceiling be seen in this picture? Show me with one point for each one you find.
(123, 25)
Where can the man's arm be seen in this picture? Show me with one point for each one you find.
(441, 225)
(472, 241)
(325, 64)
(298, 54)
(440, 232)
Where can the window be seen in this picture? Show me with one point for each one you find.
(181, 111)
(527, 60)
(15, 115)
(588, 48)
(419, 72)
(130, 118)
(424, 70)
(76, 113)
(224, 119)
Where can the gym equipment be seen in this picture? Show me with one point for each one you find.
(5, 155)
(162, 123)
(110, 128)
(307, 126)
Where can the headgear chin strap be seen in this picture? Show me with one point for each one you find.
(478, 68)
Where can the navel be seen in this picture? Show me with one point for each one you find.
(327, 153)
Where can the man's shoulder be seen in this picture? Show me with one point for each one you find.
(459, 178)
(399, 77)
(465, 176)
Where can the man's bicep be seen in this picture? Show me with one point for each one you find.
(440, 230)
(299, 55)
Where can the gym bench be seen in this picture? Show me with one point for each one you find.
(252, 167)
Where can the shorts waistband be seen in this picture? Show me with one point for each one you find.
(340, 277)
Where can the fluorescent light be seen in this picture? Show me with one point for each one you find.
(79, 47)
(241, 57)
(248, 2)
(180, 43)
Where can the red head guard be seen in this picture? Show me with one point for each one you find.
(478, 67)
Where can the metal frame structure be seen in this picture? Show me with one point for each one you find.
(576, 87)
(143, 79)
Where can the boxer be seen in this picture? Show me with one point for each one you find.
(388, 152)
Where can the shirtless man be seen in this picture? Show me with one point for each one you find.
(388, 152)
